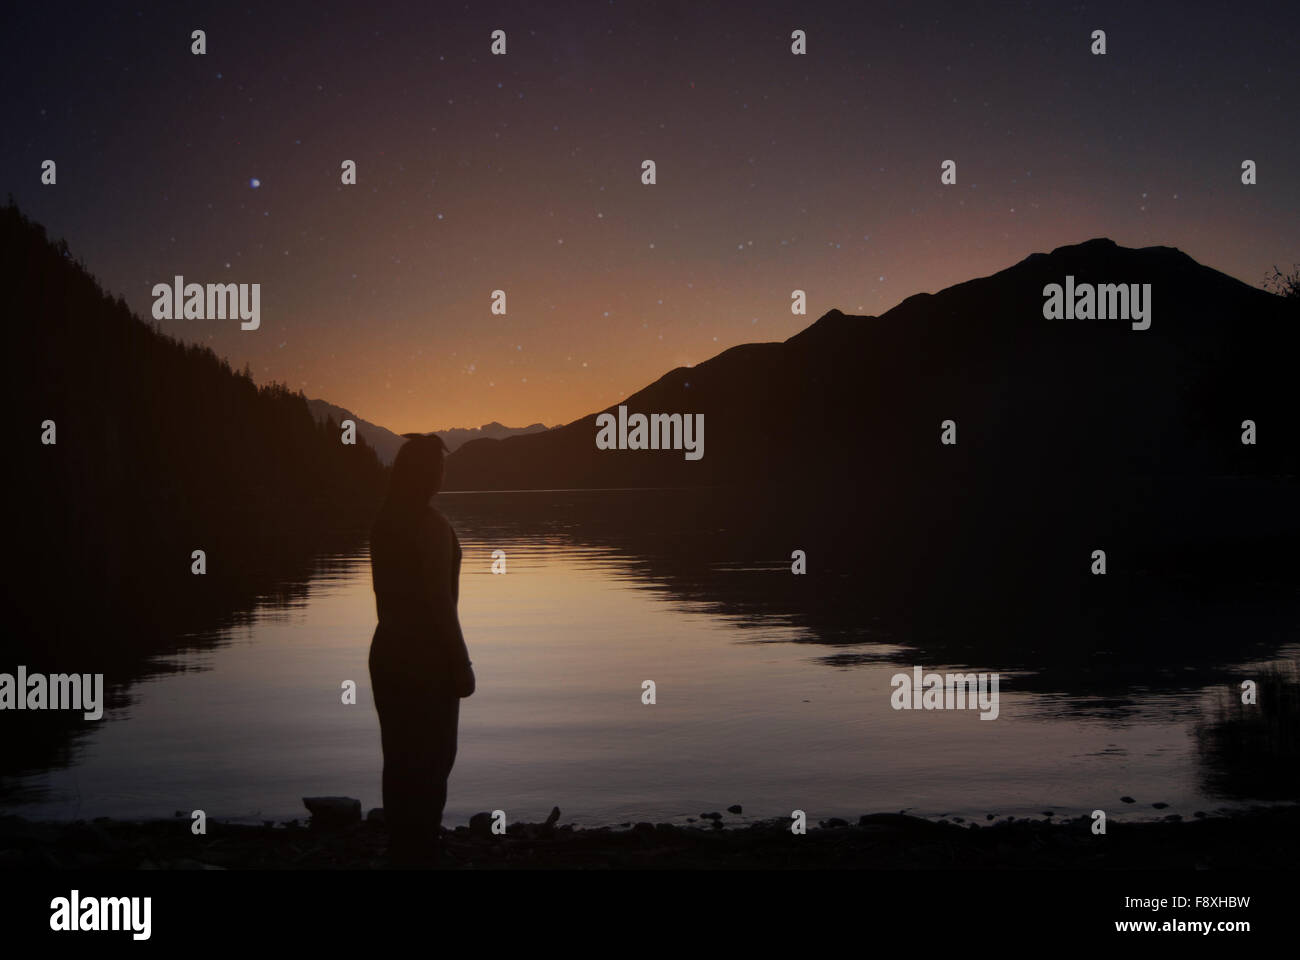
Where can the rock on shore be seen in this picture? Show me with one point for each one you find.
(1261, 838)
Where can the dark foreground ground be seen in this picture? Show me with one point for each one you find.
(1262, 838)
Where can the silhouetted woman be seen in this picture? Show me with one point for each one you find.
(419, 665)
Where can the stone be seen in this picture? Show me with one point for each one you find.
(333, 812)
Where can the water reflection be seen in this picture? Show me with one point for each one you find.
(773, 690)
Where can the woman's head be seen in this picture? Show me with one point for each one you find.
(417, 468)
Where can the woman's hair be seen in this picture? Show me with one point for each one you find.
(417, 468)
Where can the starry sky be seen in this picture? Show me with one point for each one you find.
(523, 172)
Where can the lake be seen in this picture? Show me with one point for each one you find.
(763, 697)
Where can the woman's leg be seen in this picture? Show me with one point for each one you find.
(418, 723)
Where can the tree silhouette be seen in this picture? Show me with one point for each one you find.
(1284, 284)
(161, 449)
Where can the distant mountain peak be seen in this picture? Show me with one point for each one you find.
(1090, 246)
(853, 397)
(829, 323)
(1106, 247)
(386, 443)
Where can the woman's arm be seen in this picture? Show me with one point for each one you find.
(444, 593)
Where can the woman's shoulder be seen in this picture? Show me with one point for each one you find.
(439, 524)
(405, 525)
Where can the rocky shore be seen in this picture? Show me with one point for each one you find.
(336, 837)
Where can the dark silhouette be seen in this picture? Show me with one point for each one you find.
(854, 399)
(1285, 285)
(386, 443)
(1074, 435)
(419, 665)
(457, 437)
(1250, 750)
(162, 449)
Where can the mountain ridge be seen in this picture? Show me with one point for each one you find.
(386, 443)
(971, 343)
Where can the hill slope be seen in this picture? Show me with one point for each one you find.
(852, 398)
(386, 443)
(161, 449)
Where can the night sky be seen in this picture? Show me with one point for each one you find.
(523, 172)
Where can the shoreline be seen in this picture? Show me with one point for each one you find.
(1259, 838)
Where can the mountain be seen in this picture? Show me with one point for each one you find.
(160, 449)
(859, 399)
(386, 443)
(1073, 436)
(459, 436)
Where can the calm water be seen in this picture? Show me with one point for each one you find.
(755, 706)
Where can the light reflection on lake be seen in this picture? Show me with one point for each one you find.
(751, 708)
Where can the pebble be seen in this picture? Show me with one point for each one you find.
(333, 811)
